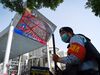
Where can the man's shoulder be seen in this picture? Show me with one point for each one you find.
(78, 39)
(77, 36)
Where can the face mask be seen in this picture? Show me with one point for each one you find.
(65, 38)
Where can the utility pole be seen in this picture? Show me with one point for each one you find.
(8, 49)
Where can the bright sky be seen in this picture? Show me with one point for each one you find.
(70, 13)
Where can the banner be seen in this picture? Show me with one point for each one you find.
(34, 28)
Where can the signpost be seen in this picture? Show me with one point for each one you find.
(35, 27)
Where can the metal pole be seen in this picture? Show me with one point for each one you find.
(19, 66)
(8, 48)
(48, 56)
(54, 51)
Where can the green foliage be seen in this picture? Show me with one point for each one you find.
(94, 5)
(18, 5)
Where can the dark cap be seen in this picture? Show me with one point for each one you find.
(67, 29)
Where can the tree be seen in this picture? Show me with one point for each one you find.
(19, 5)
(94, 5)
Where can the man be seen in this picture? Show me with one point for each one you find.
(76, 54)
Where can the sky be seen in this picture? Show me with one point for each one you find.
(70, 13)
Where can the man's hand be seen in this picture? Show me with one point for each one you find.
(56, 58)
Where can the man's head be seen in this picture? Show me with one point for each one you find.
(66, 33)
